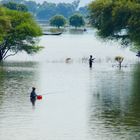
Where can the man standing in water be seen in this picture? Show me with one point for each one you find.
(33, 93)
(33, 96)
(91, 61)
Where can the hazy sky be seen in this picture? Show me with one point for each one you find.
(83, 2)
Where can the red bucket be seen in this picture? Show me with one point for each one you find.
(39, 97)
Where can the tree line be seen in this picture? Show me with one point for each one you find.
(58, 20)
(75, 20)
(46, 10)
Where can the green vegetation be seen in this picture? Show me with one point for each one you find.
(76, 20)
(18, 32)
(58, 21)
(15, 6)
(46, 10)
(118, 19)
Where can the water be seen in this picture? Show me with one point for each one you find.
(78, 103)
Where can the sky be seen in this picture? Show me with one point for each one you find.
(82, 3)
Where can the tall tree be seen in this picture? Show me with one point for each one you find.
(117, 20)
(76, 20)
(58, 21)
(47, 9)
(18, 33)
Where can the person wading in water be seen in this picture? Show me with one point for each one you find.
(33, 96)
(91, 61)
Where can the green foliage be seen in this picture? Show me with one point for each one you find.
(46, 10)
(15, 6)
(117, 20)
(58, 21)
(76, 20)
(18, 33)
(32, 6)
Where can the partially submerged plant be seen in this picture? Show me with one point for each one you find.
(119, 59)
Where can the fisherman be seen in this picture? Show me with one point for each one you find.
(33, 94)
(91, 61)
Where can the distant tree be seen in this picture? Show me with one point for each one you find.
(83, 11)
(15, 6)
(58, 21)
(14, 1)
(76, 20)
(18, 33)
(31, 6)
(46, 11)
(76, 4)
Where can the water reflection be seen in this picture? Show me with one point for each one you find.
(77, 31)
(114, 104)
(33, 100)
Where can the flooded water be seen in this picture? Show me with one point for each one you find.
(78, 103)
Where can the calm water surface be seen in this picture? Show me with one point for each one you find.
(102, 103)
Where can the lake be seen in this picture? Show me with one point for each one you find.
(78, 103)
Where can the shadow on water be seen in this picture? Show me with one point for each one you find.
(114, 104)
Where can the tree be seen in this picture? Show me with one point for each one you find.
(46, 11)
(31, 6)
(76, 20)
(15, 6)
(58, 21)
(117, 20)
(65, 9)
(18, 33)
(14, 1)
(76, 3)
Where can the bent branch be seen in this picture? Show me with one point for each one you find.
(10, 55)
